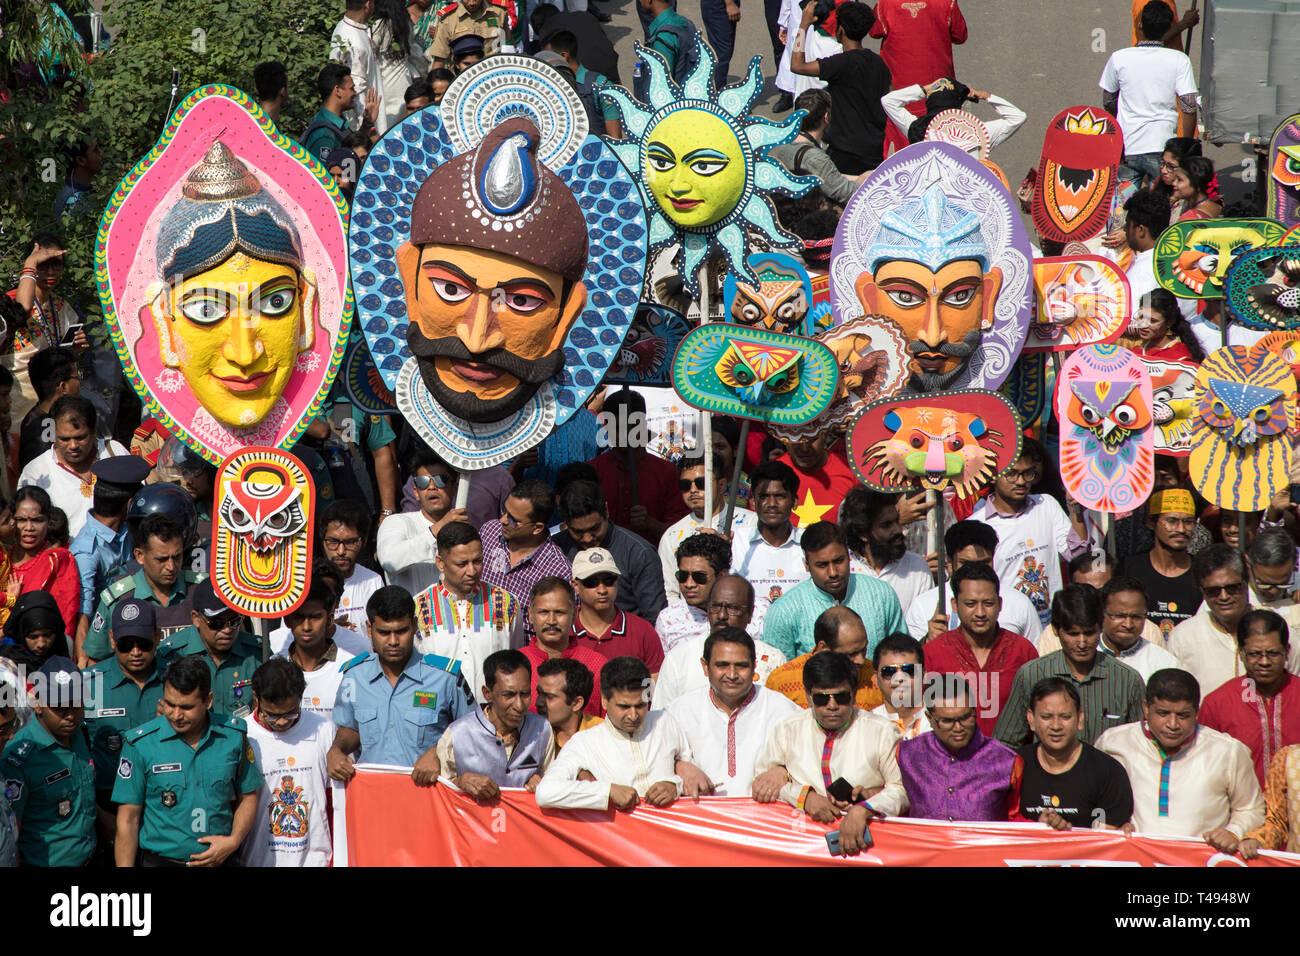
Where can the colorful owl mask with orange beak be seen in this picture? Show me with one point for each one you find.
(1077, 173)
(262, 531)
(963, 439)
(1103, 402)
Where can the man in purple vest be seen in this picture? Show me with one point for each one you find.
(954, 772)
(503, 743)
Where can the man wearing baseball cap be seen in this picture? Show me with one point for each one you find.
(600, 625)
(49, 776)
(130, 685)
(232, 654)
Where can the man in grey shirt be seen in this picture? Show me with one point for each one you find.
(804, 156)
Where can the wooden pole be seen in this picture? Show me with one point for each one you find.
(936, 513)
(462, 490)
(735, 474)
(1190, 30)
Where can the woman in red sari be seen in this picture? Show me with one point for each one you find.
(36, 564)
(1163, 334)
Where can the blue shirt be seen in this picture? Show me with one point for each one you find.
(788, 625)
(101, 555)
(399, 722)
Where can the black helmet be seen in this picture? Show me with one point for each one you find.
(168, 499)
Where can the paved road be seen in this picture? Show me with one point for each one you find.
(1043, 56)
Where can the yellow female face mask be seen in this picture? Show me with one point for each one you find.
(695, 168)
(235, 331)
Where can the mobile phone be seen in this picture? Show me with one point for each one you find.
(840, 790)
(833, 842)
(71, 334)
(1295, 494)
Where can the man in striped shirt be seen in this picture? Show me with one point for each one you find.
(1111, 692)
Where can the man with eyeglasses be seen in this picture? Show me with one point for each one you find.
(1034, 533)
(1187, 779)
(462, 617)
(1166, 570)
(407, 543)
(600, 625)
(345, 528)
(728, 720)
(587, 525)
(518, 550)
(837, 630)
(217, 637)
(809, 753)
(900, 672)
(1206, 644)
(690, 479)
(1125, 631)
(684, 670)
(292, 747)
(553, 608)
(955, 773)
(1261, 708)
(130, 685)
(1272, 559)
(1110, 690)
(701, 558)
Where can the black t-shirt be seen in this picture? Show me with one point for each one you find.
(1170, 601)
(856, 80)
(32, 436)
(1095, 789)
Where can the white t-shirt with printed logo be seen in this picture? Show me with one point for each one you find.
(1031, 545)
(291, 827)
(771, 570)
(356, 592)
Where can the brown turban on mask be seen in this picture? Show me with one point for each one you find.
(499, 197)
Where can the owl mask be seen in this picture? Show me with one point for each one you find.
(1103, 403)
(1245, 403)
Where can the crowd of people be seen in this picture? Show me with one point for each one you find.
(588, 627)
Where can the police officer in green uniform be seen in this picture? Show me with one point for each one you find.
(49, 776)
(231, 653)
(188, 781)
(8, 832)
(161, 580)
(129, 689)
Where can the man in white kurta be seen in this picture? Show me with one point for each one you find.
(728, 721)
(67, 488)
(1212, 782)
(352, 46)
(640, 758)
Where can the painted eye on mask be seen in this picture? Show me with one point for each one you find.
(1089, 414)
(904, 298)
(451, 291)
(708, 167)
(1125, 415)
(206, 310)
(277, 302)
(750, 313)
(523, 302)
(960, 298)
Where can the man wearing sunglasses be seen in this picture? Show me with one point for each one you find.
(1206, 644)
(291, 746)
(130, 686)
(808, 753)
(216, 635)
(701, 559)
(407, 543)
(600, 625)
(900, 671)
(690, 479)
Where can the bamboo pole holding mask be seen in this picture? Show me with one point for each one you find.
(735, 474)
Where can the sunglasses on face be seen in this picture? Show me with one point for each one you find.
(685, 484)
(699, 577)
(125, 645)
(889, 670)
(223, 623)
(600, 581)
(1232, 590)
(422, 482)
(841, 697)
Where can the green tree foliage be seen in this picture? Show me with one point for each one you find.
(121, 97)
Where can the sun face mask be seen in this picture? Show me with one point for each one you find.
(1103, 402)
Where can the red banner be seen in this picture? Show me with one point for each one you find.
(392, 822)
